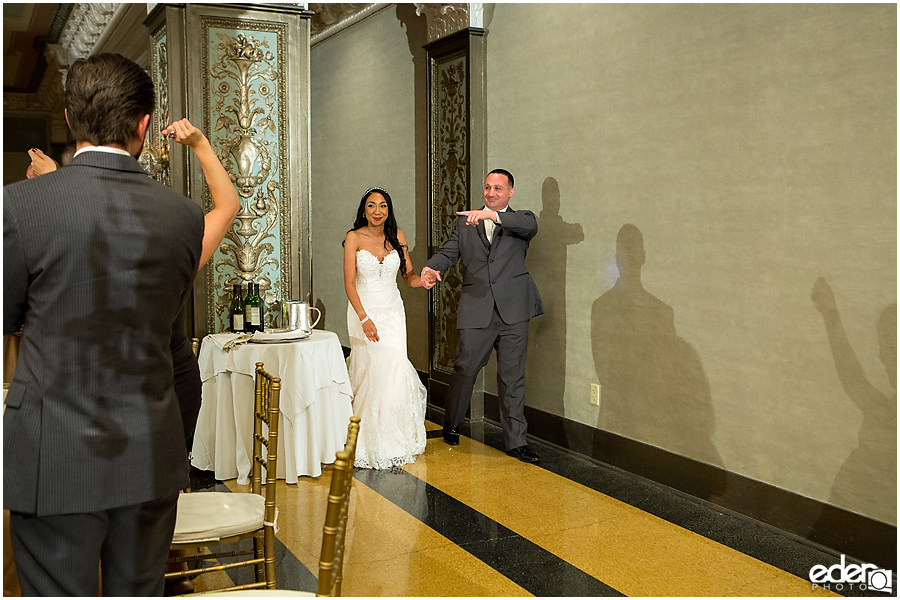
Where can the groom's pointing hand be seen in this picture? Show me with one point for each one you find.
(474, 217)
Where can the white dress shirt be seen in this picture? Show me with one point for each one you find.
(109, 149)
(489, 224)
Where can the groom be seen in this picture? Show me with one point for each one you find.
(498, 299)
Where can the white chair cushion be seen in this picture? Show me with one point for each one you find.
(209, 516)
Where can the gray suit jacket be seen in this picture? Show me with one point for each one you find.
(493, 273)
(97, 259)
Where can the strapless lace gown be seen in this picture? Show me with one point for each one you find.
(387, 393)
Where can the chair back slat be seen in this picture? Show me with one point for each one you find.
(266, 407)
(333, 534)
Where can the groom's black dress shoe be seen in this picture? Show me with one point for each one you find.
(451, 436)
(524, 453)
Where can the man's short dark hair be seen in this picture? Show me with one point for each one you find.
(509, 177)
(106, 97)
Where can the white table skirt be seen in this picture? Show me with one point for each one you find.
(315, 405)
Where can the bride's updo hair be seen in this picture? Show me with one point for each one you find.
(390, 225)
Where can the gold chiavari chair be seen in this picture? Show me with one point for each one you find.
(211, 518)
(331, 560)
(195, 348)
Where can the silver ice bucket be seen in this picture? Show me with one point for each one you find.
(296, 316)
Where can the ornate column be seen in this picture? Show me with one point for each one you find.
(457, 148)
(241, 74)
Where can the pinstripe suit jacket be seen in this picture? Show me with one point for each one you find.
(494, 273)
(97, 260)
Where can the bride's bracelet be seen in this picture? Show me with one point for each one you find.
(364, 320)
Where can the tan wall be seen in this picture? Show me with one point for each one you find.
(753, 149)
(363, 120)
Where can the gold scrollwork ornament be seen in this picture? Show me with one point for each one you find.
(242, 152)
(154, 159)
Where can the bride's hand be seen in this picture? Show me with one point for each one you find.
(184, 133)
(429, 277)
(370, 330)
(41, 163)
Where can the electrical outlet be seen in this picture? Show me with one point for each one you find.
(595, 394)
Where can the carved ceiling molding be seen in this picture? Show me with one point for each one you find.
(327, 15)
(331, 18)
(444, 19)
(84, 29)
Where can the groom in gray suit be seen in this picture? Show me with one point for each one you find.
(498, 299)
(97, 260)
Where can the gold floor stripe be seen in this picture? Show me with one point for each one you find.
(635, 552)
(389, 552)
(392, 553)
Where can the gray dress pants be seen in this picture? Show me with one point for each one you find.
(472, 352)
(58, 555)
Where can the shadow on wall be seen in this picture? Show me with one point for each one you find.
(870, 473)
(653, 386)
(546, 360)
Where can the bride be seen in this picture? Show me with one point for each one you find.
(387, 393)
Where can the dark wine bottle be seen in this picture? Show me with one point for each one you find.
(237, 310)
(249, 310)
(260, 307)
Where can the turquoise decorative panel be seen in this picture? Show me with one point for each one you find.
(244, 101)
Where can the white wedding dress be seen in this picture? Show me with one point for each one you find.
(387, 394)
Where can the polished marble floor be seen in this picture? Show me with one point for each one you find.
(470, 521)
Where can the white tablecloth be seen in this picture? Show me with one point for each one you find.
(315, 405)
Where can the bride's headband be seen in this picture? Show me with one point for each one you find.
(374, 189)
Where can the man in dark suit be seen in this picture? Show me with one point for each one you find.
(97, 260)
(498, 299)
